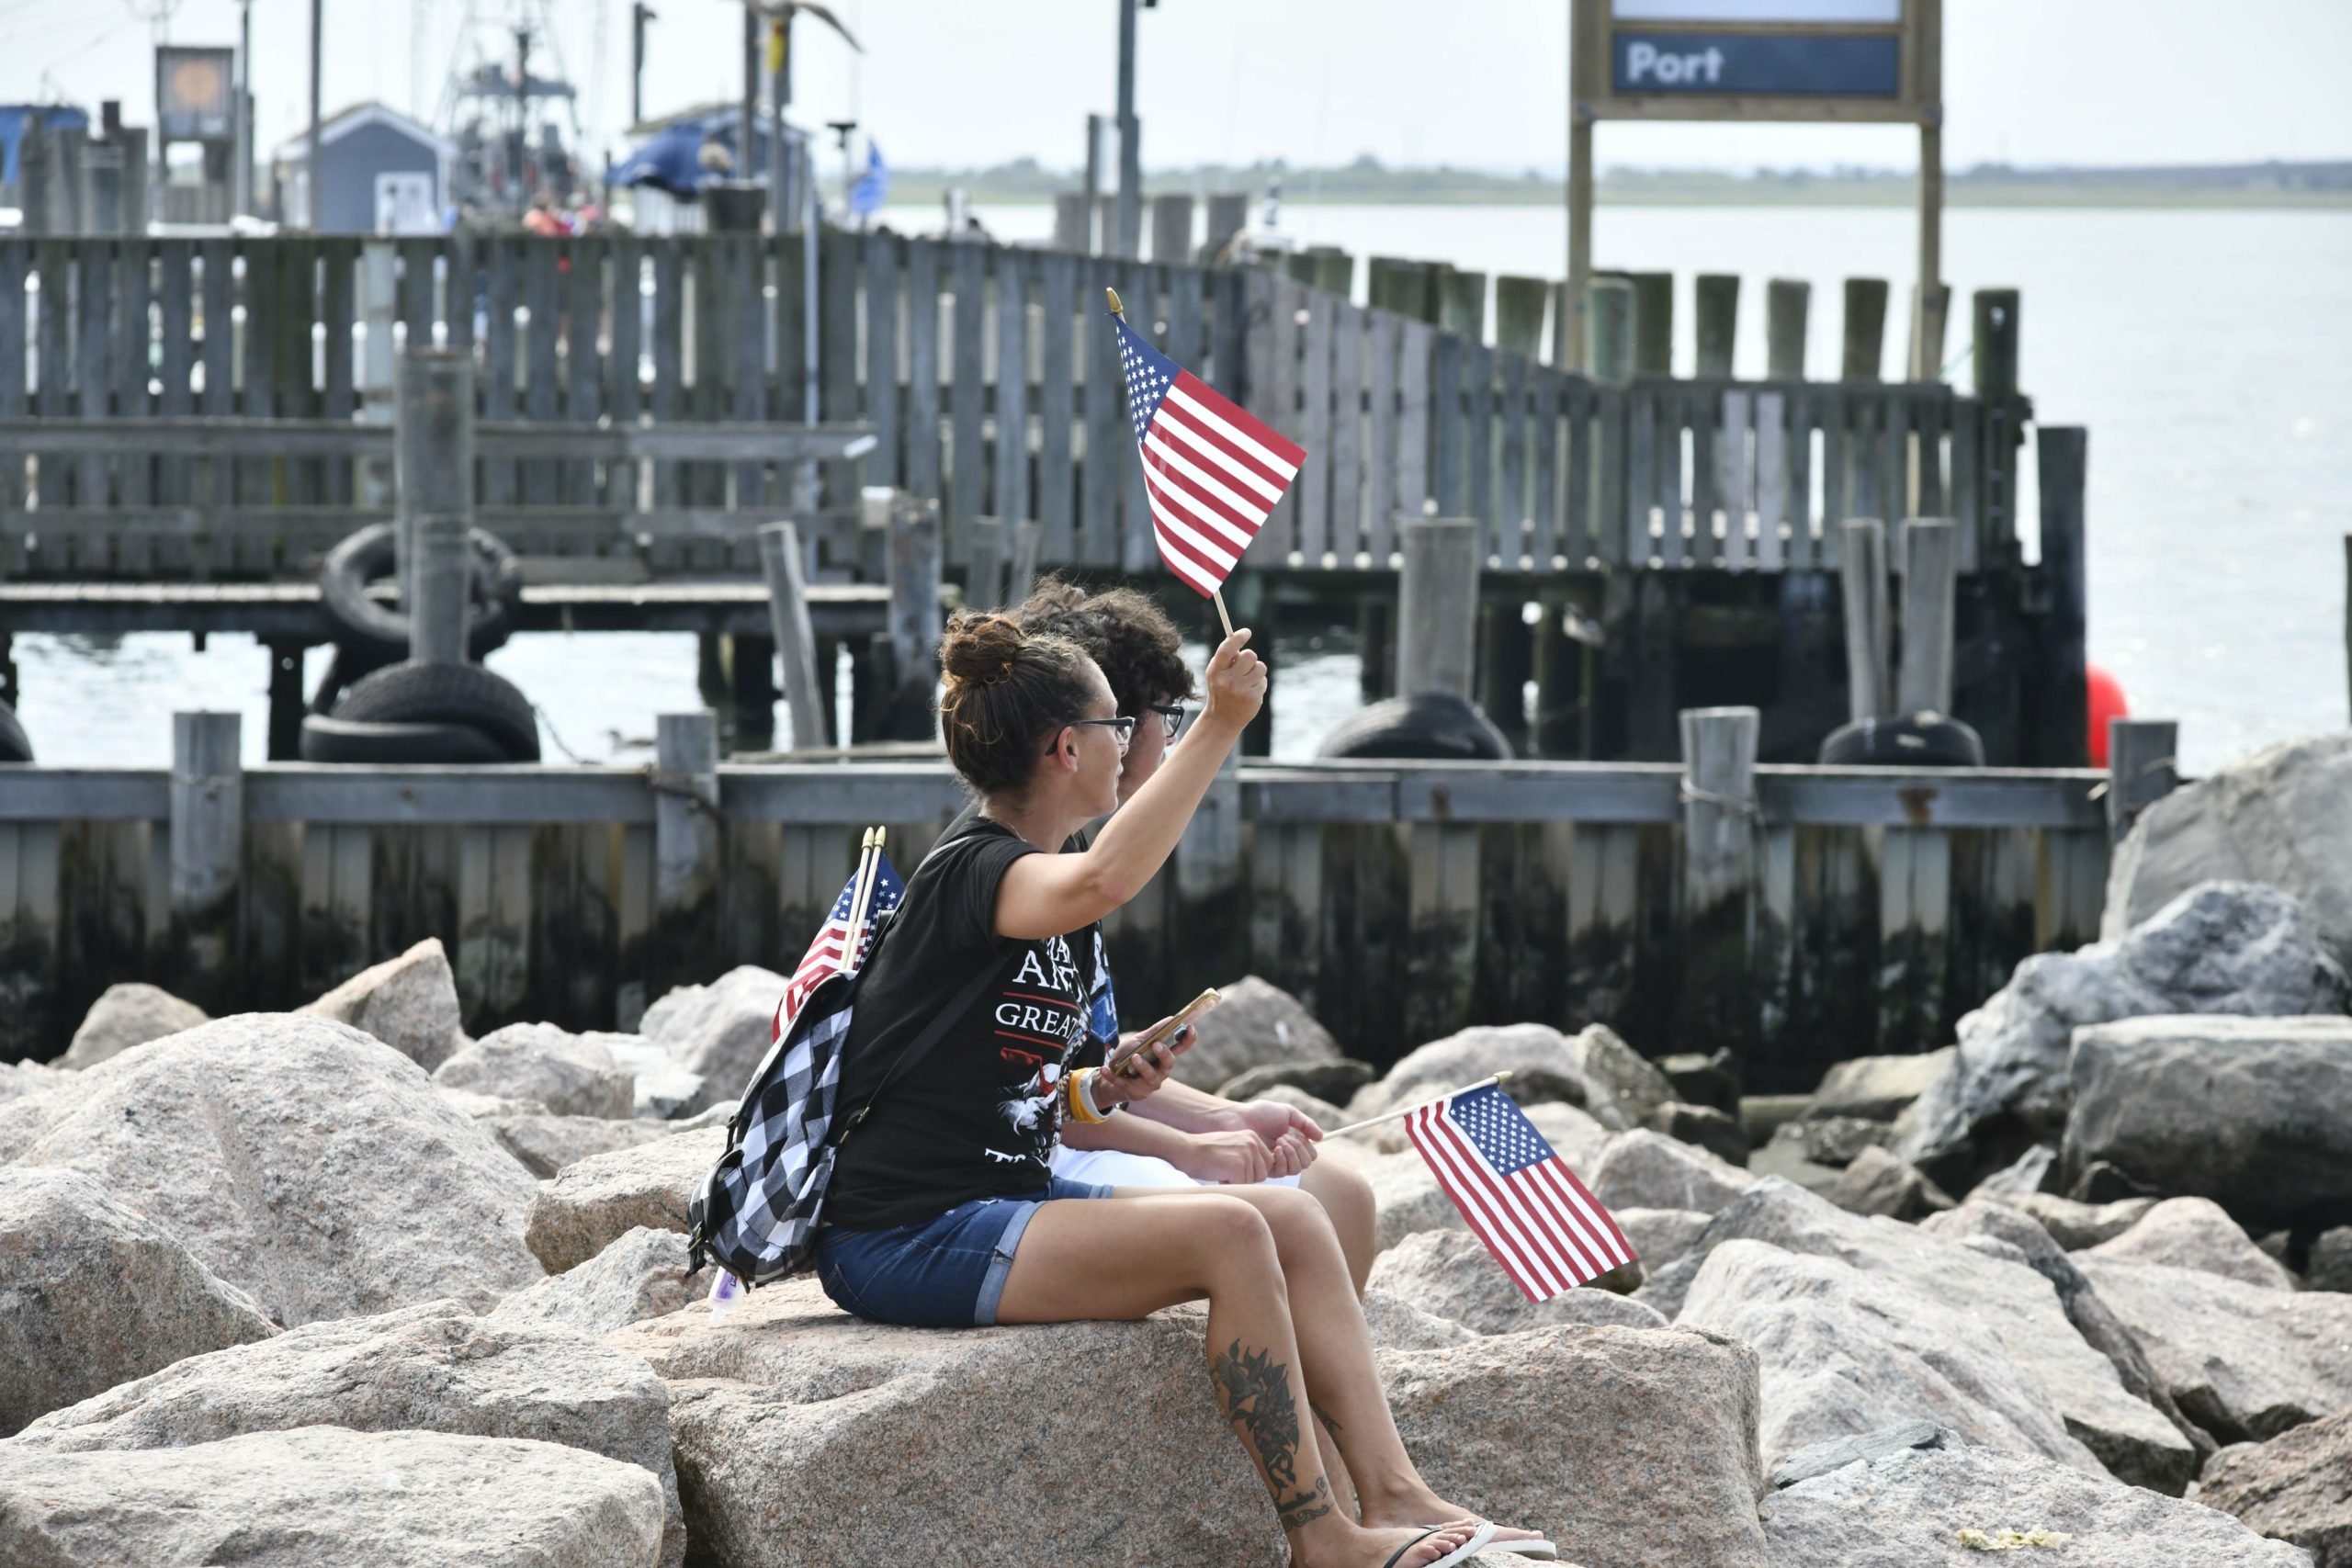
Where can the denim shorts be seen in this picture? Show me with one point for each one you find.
(946, 1272)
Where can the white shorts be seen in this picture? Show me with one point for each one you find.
(1115, 1167)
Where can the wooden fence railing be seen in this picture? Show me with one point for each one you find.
(914, 339)
(1846, 910)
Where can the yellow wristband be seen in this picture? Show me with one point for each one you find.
(1075, 1093)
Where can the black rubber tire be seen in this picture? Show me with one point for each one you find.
(378, 632)
(1921, 740)
(1431, 726)
(447, 694)
(15, 746)
(326, 739)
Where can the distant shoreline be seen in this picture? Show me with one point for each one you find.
(919, 190)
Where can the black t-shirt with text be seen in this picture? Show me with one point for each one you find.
(980, 1115)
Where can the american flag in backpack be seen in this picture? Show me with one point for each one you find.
(757, 1211)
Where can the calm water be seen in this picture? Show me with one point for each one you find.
(2208, 353)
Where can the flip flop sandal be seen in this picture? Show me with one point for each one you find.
(1539, 1549)
(1476, 1543)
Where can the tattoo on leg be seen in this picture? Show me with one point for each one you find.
(1325, 1417)
(1312, 1504)
(1255, 1390)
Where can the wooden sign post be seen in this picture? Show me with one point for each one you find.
(1834, 61)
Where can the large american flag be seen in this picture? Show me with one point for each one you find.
(1212, 472)
(824, 955)
(1549, 1233)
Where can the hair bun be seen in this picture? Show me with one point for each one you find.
(979, 648)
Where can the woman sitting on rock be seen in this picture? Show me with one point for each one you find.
(1179, 1136)
(943, 1210)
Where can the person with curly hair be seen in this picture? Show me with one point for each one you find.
(944, 1211)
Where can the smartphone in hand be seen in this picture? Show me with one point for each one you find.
(1119, 1059)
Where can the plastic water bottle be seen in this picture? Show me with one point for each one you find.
(725, 1292)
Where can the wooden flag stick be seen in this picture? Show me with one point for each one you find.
(1393, 1115)
(1217, 594)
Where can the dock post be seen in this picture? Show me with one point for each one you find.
(442, 565)
(1714, 303)
(1863, 573)
(1715, 991)
(2142, 769)
(207, 807)
(379, 281)
(287, 698)
(1437, 606)
(1334, 271)
(686, 843)
(1519, 315)
(1787, 302)
(432, 450)
(1506, 663)
(1073, 214)
(1462, 304)
(914, 618)
(2063, 458)
(1930, 556)
(1171, 228)
(984, 564)
(1993, 352)
(1028, 537)
(1609, 320)
(1653, 322)
(805, 692)
(1229, 215)
(1865, 328)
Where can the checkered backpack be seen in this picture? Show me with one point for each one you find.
(757, 1213)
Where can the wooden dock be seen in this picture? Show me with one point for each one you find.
(1841, 911)
(1681, 536)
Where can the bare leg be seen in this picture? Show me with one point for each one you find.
(1127, 1257)
(1346, 1197)
(1335, 1349)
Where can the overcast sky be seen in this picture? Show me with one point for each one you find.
(1478, 83)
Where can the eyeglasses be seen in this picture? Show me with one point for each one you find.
(1171, 714)
(1122, 728)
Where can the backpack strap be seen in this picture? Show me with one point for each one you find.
(918, 1048)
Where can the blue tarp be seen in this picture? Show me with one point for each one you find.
(56, 116)
(669, 160)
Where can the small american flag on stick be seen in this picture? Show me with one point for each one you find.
(1212, 472)
(1547, 1231)
(874, 890)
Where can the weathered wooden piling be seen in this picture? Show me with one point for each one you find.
(806, 693)
(1787, 301)
(443, 550)
(433, 447)
(207, 829)
(685, 835)
(1993, 354)
(1229, 215)
(1375, 647)
(1865, 330)
(1172, 228)
(2062, 454)
(1719, 877)
(2143, 767)
(1609, 320)
(1862, 573)
(1519, 304)
(1437, 599)
(1930, 558)
(1653, 322)
(1073, 221)
(914, 618)
(1714, 302)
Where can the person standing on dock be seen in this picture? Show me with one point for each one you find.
(943, 1211)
